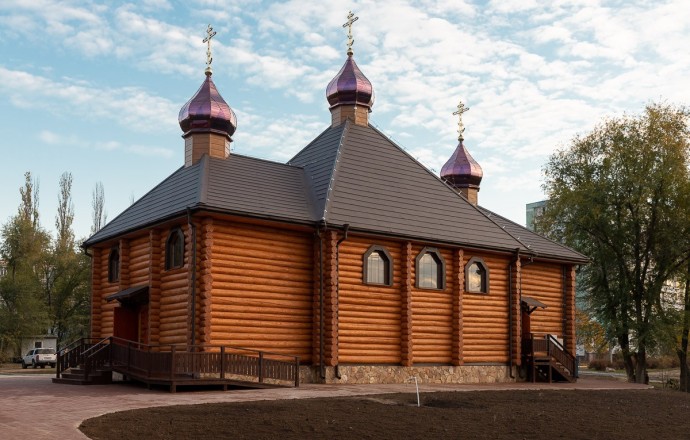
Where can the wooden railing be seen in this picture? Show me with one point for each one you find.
(549, 346)
(74, 354)
(174, 362)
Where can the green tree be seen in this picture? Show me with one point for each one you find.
(66, 273)
(621, 195)
(24, 248)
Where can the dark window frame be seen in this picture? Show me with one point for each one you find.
(485, 277)
(388, 265)
(176, 237)
(114, 265)
(441, 274)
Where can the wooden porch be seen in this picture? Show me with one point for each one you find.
(547, 360)
(90, 361)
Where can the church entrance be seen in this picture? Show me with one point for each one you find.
(528, 305)
(131, 320)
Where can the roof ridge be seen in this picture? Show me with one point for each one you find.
(523, 244)
(261, 159)
(334, 170)
(308, 145)
(133, 205)
(561, 245)
(460, 196)
(204, 163)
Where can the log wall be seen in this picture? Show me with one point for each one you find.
(107, 288)
(174, 297)
(369, 316)
(257, 287)
(544, 282)
(157, 262)
(139, 255)
(432, 316)
(485, 316)
(262, 288)
(96, 286)
(570, 309)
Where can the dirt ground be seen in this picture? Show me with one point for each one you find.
(515, 414)
(14, 368)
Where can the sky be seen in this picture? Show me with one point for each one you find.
(94, 88)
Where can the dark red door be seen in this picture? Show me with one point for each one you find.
(126, 323)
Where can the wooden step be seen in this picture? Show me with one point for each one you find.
(75, 376)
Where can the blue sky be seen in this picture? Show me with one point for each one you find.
(94, 88)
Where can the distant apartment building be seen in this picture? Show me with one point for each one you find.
(532, 212)
(3, 268)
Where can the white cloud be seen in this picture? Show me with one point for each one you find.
(71, 141)
(131, 107)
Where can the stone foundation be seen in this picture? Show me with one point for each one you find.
(377, 374)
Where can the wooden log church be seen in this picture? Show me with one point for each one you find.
(352, 256)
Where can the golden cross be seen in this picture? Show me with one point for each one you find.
(348, 24)
(210, 33)
(461, 128)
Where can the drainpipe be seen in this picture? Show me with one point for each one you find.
(530, 261)
(192, 263)
(510, 310)
(564, 307)
(322, 324)
(346, 228)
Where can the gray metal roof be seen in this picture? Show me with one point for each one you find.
(378, 187)
(257, 187)
(349, 174)
(170, 197)
(319, 162)
(239, 184)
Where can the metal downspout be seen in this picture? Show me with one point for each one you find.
(192, 262)
(346, 228)
(322, 366)
(564, 319)
(510, 311)
(531, 260)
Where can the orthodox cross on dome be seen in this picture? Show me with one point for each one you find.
(348, 24)
(461, 128)
(210, 33)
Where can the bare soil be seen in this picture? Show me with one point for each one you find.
(578, 414)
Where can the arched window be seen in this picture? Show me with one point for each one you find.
(431, 269)
(377, 264)
(476, 276)
(114, 266)
(174, 250)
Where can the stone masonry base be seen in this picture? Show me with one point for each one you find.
(377, 374)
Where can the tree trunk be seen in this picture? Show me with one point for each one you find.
(683, 350)
(641, 366)
(627, 357)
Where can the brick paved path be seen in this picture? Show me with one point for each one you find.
(33, 407)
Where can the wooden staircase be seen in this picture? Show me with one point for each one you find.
(93, 361)
(548, 361)
(79, 376)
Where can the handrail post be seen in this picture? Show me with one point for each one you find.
(59, 364)
(150, 362)
(261, 367)
(296, 371)
(172, 363)
(129, 356)
(222, 362)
